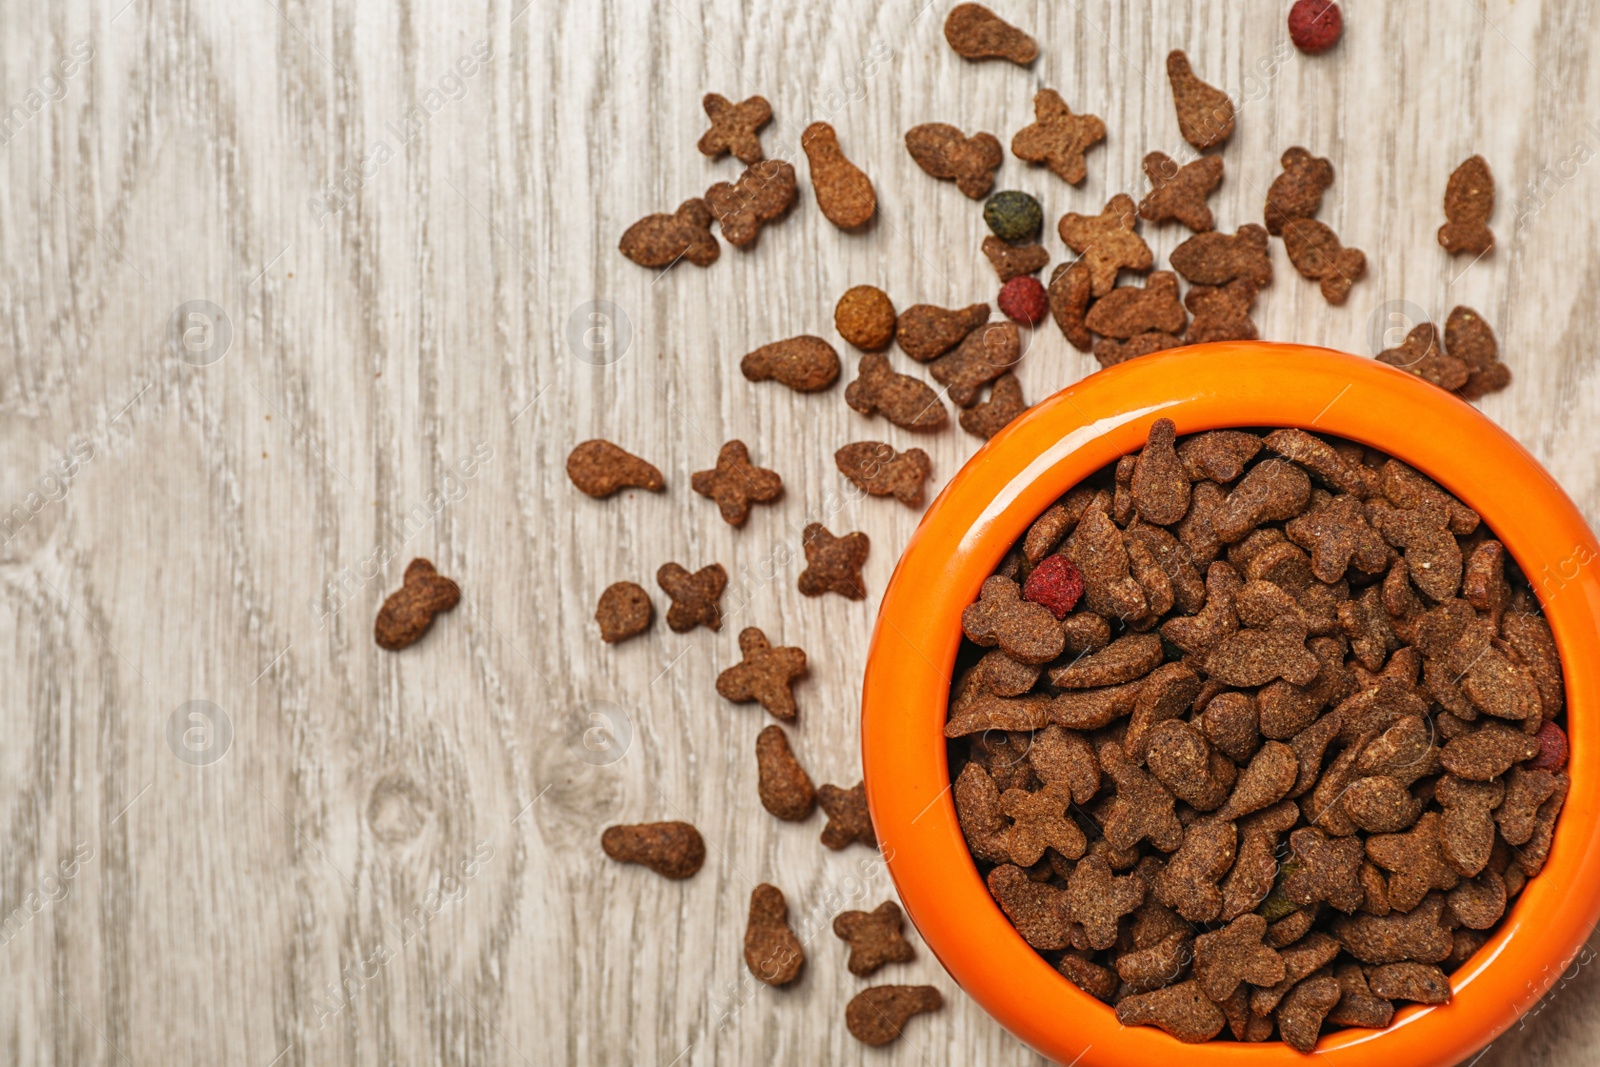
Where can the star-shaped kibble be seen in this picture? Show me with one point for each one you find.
(1041, 821)
(1179, 193)
(874, 937)
(766, 674)
(847, 816)
(1057, 137)
(736, 483)
(695, 597)
(1416, 860)
(1107, 241)
(833, 564)
(733, 126)
(1234, 954)
(1098, 899)
(1324, 868)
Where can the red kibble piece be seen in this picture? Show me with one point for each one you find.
(1552, 746)
(1056, 583)
(1315, 25)
(1023, 299)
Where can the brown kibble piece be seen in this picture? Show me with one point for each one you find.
(1142, 808)
(1478, 903)
(771, 950)
(1218, 455)
(1156, 965)
(1160, 485)
(1221, 313)
(1316, 253)
(1267, 779)
(1530, 858)
(1255, 868)
(1357, 1006)
(1297, 192)
(1038, 910)
(1233, 954)
(761, 194)
(877, 468)
(1337, 535)
(983, 356)
(662, 240)
(1302, 1011)
(1300, 959)
(1182, 760)
(865, 317)
(1025, 631)
(875, 1016)
(1421, 354)
(766, 674)
(1468, 203)
(988, 417)
(1182, 1010)
(1040, 821)
(600, 468)
(1270, 491)
(1406, 489)
(734, 127)
(926, 332)
(1179, 193)
(1416, 861)
(735, 483)
(1057, 137)
(695, 597)
(1323, 460)
(1535, 647)
(1488, 752)
(949, 155)
(833, 564)
(905, 401)
(1123, 660)
(1526, 789)
(848, 819)
(1110, 352)
(408, 611)
(1069, 292)
(805, 364)
(1466, 829)
(1107, 242)
(1220, 258)
(783, 785)
(1205, 114)
(1324, 868)
(1423, 983)
(844, 192)
(1256, 657)
(1402, 935)
(671, 849)
(1097, 899)
(1127, 311)
(874, 938)
(625, 611)
(975, 32)
(1188, 883)
(1468, 338)
(1012, 261)
(1167, 692)
(1433, 557)
(1097, 981)
(1065, 759)
(1380, 804)
(977, 801)
(1198, 634)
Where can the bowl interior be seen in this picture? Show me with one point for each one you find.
(1068, 437)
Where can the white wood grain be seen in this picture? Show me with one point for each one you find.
(399, 294)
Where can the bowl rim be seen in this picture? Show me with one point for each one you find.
(987, 506)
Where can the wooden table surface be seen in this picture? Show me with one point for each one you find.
(232, 830)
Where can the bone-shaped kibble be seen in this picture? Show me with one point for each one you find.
(1233, 954)
(1097, 899)
(1188, 883)
(1215, 258)
(1040, 821)
(983, 356)
(874, 937)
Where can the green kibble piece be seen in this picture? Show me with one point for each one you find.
(1013, 215)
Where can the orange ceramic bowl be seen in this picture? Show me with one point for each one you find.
(991, 502)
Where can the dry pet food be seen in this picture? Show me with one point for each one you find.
(848, 820)
(1127, 310)
(671, 849)
(874, 937)
(625, 611)
(771, 950)
(1013, 216)
(1107, 242)
(408, 611)
(1297, 192)
(1220, 312)
(926, 332)
(696, 598)
(975, 32)
(805, 364)
(1013, 261)
(783, 785)
(844, 192)
(735, 483)
(766, 675)
(1111, 352)
(905, 401)
(763, 193)
(1205, 114)
(1316, 253)
(1023, 300)
(1315, 25)
(986, 354)
(949, 155)
(600, 468)
(662, 240)
(988, 417)
(734, 127)
(1179, 193)
(864, 316)
(1266, 740)
(1071, 288)
(1468, 203)
(833, 564)
(876, 1016)
(877, 468)
(1058, 138)
(1217, 258)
